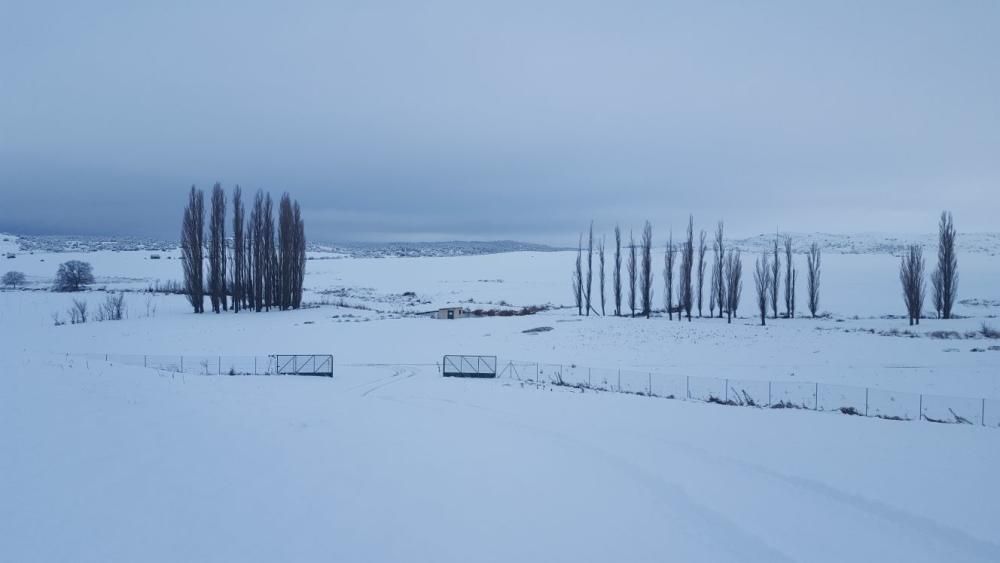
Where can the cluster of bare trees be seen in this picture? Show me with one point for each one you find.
(944, 279)
(267, 266)
(685, 284)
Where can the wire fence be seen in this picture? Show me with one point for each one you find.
(844, 399)
(193, 364)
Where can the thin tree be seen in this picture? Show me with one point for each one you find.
(911, 275)
(712, 296)
(646, 283)
(763, 280)
(720, 257)
(945, 278)
(239, 250)
(687, 270)
(192, 249)
(632, 273)
(300, 255)
(590, 268)
(669, 257)
(578, 278)
(600, 259)
(702, 248)
(287, 253)
(734, 282)
(270, 255)
(812, 278)
(217, 250)
(617, 275)
(775, 271)
(259, 267)
(789, 279)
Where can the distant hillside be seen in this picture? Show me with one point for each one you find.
(873, 243)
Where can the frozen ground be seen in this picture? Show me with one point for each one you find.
(115, 463)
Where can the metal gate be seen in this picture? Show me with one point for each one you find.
(469, 366)
(303, 364)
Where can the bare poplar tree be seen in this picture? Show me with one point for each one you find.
(300, 255)
(911, 275)
(789, 279)
(702, 248)
(775, 271)
(632, 273)
(945, 278)
(287, 253)
(239, 250)
(217, 249)
(192, 249)
(763, 280)
(257, 224)
(687, 269)
(578, 278)
(600, 259)
(271, 255)
(812, 279)
(734, 282)
(590, 268)
(617, 275)
(669, 256)
(646, 283)
(712, 296)
(720, 258)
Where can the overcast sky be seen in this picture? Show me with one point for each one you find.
(457, 120)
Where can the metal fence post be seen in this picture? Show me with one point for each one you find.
(727, 389)
(866, 401)
(649, 388)
(920, 411)
(768, 393)
(816, 397)
(687, 386)
(182, 363)
(255, 365)
(145, 362)
(220, 365)
(619, 380)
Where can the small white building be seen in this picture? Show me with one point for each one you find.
(450, 313)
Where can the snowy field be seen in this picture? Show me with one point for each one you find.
(109, 462)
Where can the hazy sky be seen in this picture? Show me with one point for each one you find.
(445, 120)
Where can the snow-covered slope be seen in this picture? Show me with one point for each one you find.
(103, 463)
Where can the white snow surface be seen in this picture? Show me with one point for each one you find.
(106, 462)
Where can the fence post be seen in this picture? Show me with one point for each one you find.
(769, 394)
(588, 377)
(982, 413)
(105, 357)
(619, 380)
(816, 397)
(255, 365)
(920, 412)
(182, 364)
(866, 401)
(687, 386)
(536, 373)
(649, 388)
(145, 362)
(727, 389)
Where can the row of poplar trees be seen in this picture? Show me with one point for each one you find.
(684, 263)
(944, 279)
(264, 270)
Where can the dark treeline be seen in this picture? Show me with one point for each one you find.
(686, 286)
(266, 266)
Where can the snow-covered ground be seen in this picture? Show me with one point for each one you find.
(107, 462)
